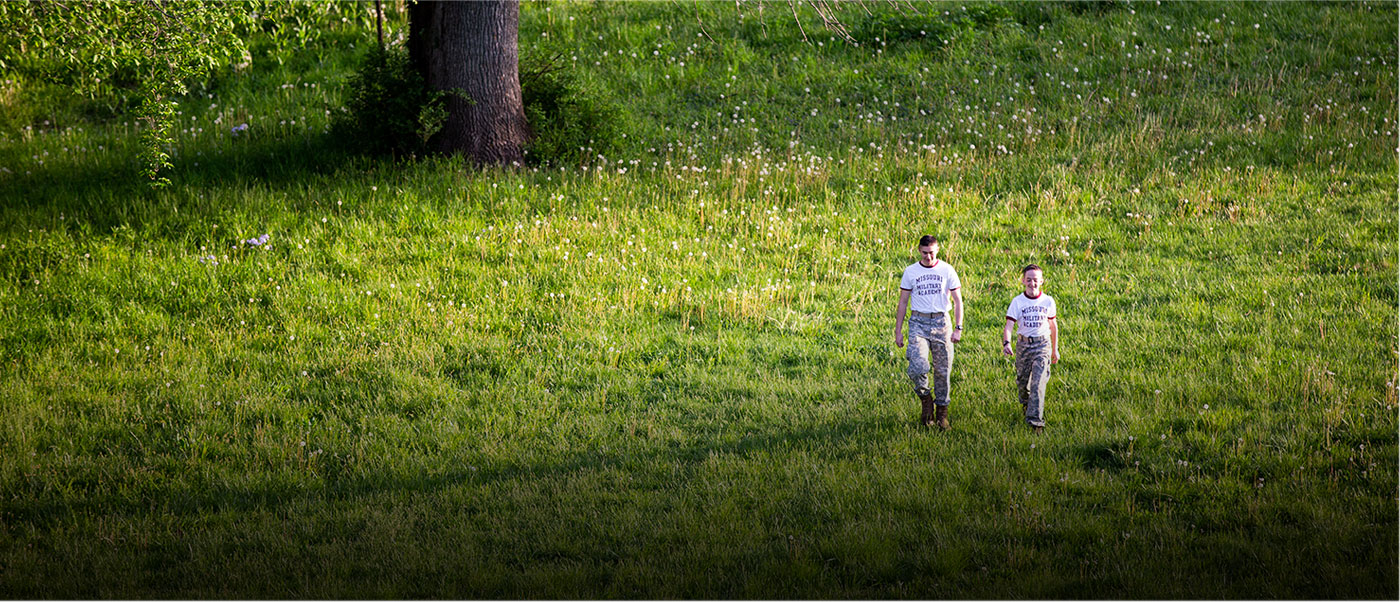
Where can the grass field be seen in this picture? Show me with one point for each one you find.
(670, 372)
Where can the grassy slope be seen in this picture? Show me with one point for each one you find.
(670, 374)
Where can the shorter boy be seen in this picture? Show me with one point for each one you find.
(1037, 343)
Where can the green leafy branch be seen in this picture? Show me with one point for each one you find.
(160, 44)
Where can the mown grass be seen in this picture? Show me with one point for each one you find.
(669, 372)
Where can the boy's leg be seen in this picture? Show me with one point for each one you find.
(918, 355)
(1038, 374)
(941, 359)
(917, 352)
(1023, 376)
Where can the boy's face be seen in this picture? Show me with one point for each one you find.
(928, 255)
(1033, 280)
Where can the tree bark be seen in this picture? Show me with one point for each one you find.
(471, 48)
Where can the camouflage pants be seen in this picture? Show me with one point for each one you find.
(930, 349)
(1032, 372)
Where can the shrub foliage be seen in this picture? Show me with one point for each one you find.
(570, 119)
(389, 108)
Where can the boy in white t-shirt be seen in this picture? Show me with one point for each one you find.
(929, 289)
(1037, 343)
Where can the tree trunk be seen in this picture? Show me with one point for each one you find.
(471, 47)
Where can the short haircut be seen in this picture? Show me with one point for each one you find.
(928, 239)
(1030, 267)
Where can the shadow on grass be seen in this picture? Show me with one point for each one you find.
(1253, 546)
(206, 498)
(1111, 456)
(110, 191)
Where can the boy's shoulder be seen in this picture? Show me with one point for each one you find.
(1042, 299)
(917, 267)
(942, 267)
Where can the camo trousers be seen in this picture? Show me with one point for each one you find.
(930, 349)
(1032, 373)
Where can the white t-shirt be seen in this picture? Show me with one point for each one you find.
(1032, 316)
(929, 287)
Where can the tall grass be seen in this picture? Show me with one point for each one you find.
(670, 372)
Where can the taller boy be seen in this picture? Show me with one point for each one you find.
(933, 286)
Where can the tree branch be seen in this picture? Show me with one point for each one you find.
(702, 22)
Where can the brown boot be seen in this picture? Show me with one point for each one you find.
(942, 418)
(926, 418)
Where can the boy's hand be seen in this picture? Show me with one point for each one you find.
(898, 339)
(1055, 357)
(1006, 349)
(957, 335)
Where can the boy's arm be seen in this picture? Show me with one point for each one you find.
(899, 317)
(956, 296)
(1054, 340)
(1006, 336)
